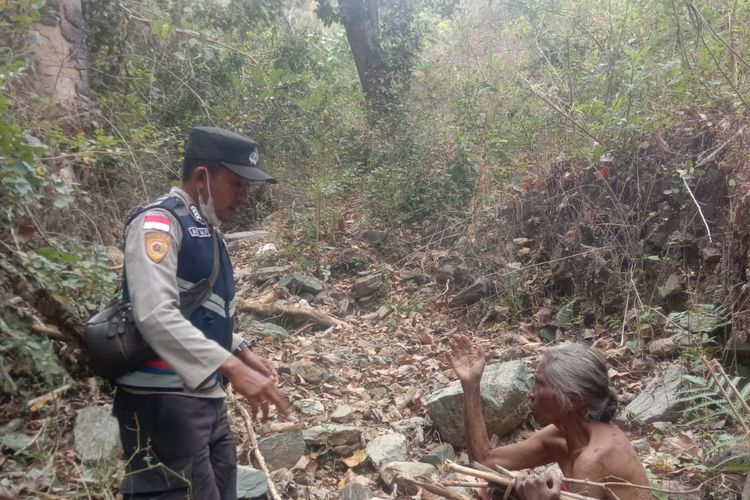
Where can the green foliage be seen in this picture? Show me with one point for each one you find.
(713, 398)
(33, 355)
(72, 274)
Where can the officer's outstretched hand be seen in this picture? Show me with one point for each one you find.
(259, 389)
(259, 364)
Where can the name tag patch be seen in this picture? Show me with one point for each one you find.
(199, 232)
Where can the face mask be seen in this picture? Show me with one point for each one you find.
(207, 208)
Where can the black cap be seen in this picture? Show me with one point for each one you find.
(236, 152)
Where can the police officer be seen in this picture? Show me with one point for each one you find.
(173, 423)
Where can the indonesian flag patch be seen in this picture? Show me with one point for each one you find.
(157, 222)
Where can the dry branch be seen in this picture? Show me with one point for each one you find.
(258, 455)
(436, 488)
(265, 305)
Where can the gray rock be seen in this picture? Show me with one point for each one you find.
(409, 425)
(504, 390)
(665, 348)
(445, 273)
(332, 435)
(675, 284)
(471, 294)
(247, 236)
(659, 400)
(373, 284)
(376, 238)
(251, 483)
(309, 407)
(310, 372)
(356, 491)
(321, 298)
(418, 277)
(391, 474)
(342, 414)
(282, 450)
(96, 433)
(343, 309)
(439, 454)
(299, 283)
(266, 330)
(15, 441)
(388, 448)
(262, 274)
(350, 262)
(711, 255)
(735, 455)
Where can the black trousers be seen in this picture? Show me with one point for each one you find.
(176, 447)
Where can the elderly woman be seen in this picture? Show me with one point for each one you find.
(572, 399)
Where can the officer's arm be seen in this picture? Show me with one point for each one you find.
(151, 248)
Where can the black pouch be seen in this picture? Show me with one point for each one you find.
(113, 342)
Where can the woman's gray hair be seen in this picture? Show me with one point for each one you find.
(575, 369)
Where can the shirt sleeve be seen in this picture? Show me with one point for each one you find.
(236, 341)
(151, 247)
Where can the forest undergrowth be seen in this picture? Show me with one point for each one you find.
(576, 168)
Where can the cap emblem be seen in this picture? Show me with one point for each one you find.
(254, 157)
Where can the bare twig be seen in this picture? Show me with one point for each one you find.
(38, 402)
(718, 150)
(505, 480)
(711, 371)
(436, 488)
(698, 206)
(258, 455)
(557, 108)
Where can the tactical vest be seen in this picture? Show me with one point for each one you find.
(215, 317)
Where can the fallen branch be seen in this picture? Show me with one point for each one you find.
(270, 428)
(718, 150)
(255, 451)
(263, 307)
(507, 478)
(436, 488)
(698, 206)
(38, 402)
(50, 331)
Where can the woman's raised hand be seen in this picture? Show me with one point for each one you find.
(466, 358)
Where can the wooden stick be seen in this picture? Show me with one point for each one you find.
(698, 206)
(38, 402)
(436, 488)
(258, 455)
(607, 484)
(270, 428)
(266, 309)
(504, 481)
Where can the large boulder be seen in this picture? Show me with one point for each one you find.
(299, 283)
(356, 491)
(470, 295)
(504, 389)
(373, 284)
(282, 450)
(392, 473)
(251, 483)
(96, 434)
(660, 400)
(332, 435)
(388, 448)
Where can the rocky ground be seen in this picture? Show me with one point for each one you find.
(358, 323)
(374, 396)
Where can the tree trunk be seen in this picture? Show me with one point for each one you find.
(361, 21)
(60, 56)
